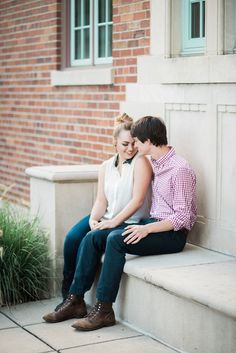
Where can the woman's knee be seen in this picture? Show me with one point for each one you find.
(77, 232)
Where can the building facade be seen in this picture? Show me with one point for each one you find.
(64, 80)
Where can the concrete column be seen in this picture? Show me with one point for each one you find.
(60, 196)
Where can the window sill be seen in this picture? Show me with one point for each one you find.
(83, 76)
(192, 69)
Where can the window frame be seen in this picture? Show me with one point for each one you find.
(94, 59)
(234, 22)
(191, 45)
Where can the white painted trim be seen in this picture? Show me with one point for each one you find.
(83, 76)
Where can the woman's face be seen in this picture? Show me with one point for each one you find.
(125, 145)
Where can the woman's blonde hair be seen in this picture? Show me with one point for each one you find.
(122, 122)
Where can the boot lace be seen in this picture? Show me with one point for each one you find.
(59, 305)
(95, 311)
(65, 303)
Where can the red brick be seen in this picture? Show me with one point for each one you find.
(41, 124)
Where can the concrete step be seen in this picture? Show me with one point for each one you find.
(22, 330)
(185, 300)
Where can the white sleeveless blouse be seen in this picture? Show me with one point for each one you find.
(118, 190)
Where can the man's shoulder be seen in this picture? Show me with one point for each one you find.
(179, 164)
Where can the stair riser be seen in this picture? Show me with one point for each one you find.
(180, 322)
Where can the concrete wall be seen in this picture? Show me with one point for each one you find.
(196, 96)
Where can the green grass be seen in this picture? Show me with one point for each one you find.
(24, 258)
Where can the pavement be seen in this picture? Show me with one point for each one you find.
(22, 330)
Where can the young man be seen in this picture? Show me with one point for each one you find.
(173, 213)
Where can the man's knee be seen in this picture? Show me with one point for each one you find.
(95, 237)
(116, 239)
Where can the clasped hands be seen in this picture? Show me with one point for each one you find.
(104, 224)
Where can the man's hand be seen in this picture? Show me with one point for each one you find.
(133, 234)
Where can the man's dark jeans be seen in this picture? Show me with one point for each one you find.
(111, 242)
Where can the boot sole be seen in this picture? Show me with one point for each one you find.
(94, 328)
(70, 318)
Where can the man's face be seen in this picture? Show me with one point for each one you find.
(143, 147)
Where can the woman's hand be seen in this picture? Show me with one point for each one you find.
(133, 234)
(106, 224)
(93, 223)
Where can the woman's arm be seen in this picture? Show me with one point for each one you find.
(100, 205)
(142, 179)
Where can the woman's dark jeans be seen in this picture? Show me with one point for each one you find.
(72, 250)
(94, 243)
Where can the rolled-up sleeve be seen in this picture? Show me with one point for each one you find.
(184, 199)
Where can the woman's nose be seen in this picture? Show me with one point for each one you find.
(130, 148)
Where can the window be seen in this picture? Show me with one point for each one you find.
(90, 32)
(193, 32)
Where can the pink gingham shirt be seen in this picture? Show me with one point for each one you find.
(174, 191)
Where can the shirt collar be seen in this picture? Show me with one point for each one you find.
(128, 161)
(163, 159)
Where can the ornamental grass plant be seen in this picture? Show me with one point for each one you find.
(24, 257)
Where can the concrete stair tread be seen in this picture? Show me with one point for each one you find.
(197, 274)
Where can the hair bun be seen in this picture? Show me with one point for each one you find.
(124, 118)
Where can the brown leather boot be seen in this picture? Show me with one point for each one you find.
(73, 307)
(101, 315)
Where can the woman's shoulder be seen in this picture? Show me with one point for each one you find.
(144, 160)
(143, 164)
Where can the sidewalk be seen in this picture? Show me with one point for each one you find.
(22, 330)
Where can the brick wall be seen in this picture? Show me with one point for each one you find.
(41, 124)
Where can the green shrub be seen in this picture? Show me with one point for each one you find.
(24, 258)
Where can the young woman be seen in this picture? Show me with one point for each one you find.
(123, 198)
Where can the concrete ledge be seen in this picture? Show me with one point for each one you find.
(207, 69)
(197, 274)
(83, 76)
(186, 300)
(64, 173)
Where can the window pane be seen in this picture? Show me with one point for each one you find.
(102, 11)
(77, 13)
(77, 44)
(195, 20)
(86, 12)
(102, 42)
(203, 18)
(86, 43)
(109, 10)
(109, 40)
